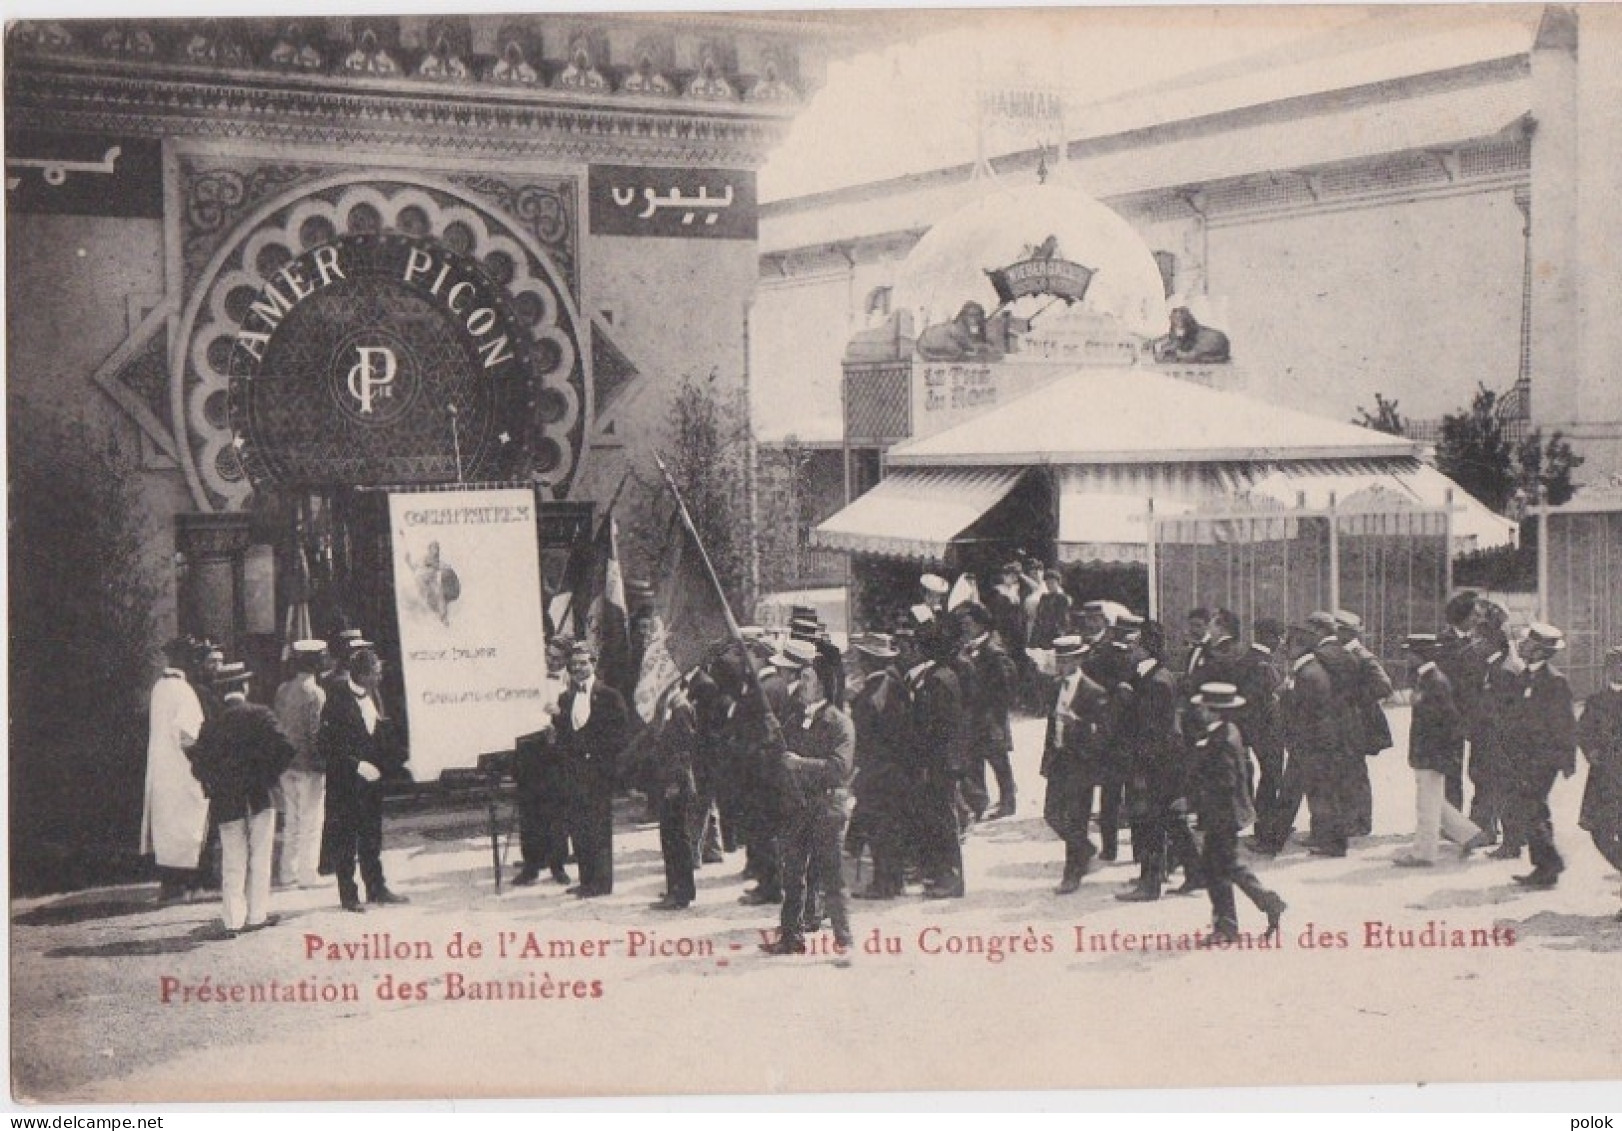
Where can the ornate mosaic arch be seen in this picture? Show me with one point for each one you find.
(259, 312)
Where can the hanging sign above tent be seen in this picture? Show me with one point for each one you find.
(1043, 271)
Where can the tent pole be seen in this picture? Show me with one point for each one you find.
(1447, 546)
(1543, 554)
(1154, 572)
(1334, 556)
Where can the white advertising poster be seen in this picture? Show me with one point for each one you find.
(472, 637)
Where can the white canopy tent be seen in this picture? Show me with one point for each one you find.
(1121, 441)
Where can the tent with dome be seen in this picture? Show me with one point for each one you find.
(1051, 432)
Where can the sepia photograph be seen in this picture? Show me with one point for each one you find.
(564, 555)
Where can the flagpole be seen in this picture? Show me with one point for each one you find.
(608, 513)
(774, 732)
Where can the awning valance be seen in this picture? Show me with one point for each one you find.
(1104, 508)
(916, 512)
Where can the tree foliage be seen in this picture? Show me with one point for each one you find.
(1547, 467)
(1384, 418)
(706, 447)
(83, 596)
(1475, 453)
(786, 512)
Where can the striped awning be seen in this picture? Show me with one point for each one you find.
(916, 512)
(1104, 508)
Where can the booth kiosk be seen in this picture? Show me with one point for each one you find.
(1056, 405)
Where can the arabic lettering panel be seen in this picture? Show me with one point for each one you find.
(628, 200)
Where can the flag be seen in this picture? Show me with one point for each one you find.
(607, 625)
(690, 619)
(964, 590)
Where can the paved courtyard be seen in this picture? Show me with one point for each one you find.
(1384, 975)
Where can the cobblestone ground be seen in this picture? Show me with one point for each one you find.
(114, 999)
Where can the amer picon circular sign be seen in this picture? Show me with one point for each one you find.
(363, 337)
(382, 358)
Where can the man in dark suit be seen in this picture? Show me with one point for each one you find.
(1318, 734)
(1489, 743)
(238, 759)
(361, 750)
(1599, 732)
(1159, 786)
(1542, 745)
(989, 695)
(1196, 641)
(539, 773)
(1435, 749)
(1052, 617)
(938, 731)
(815, 773)
(1464, 665)
(1373, 688)
(1107, 664)
(1220, 777)
(675, 745)
(1350, 774)
(757, 749)
(1259, 675)
(886, 776)
(591, 726)
(1069, 761)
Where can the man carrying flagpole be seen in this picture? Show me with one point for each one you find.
(695, 614)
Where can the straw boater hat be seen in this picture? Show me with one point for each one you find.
(796, 654)
(1347, 619)
(1219, 697)
(231, 675)
(1547, 635)
(879, 645)
(308, 655)
(1068, 647)
(934, 583)
(1101, 608)
(804, 628)
(1321, 622)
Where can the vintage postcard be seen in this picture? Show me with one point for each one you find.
(625, 553)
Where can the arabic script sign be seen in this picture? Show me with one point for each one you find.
(75, 175)
(631, 200)
(381, 359)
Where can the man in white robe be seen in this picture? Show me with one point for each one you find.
(174, 820)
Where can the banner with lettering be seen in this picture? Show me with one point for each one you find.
(472, 637)
(695, 204)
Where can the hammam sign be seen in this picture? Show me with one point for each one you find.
(381, 359)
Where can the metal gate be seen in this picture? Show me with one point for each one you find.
(1375, 555)
(1580, 590)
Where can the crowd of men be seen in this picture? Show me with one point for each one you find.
(803, 757)
(800, 755)
(220, 767)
